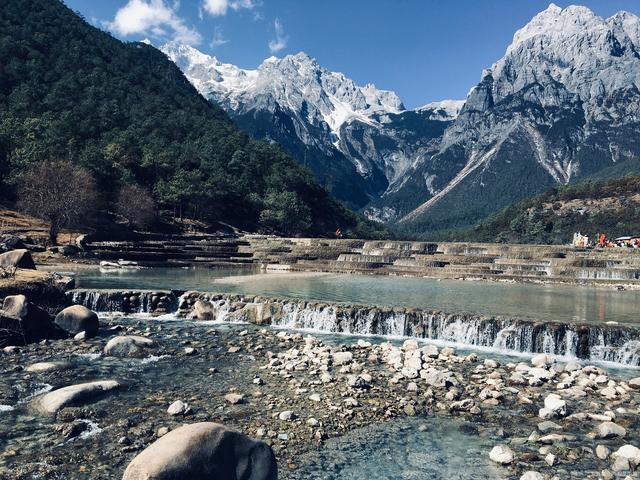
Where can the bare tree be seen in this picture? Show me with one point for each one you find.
(59, 192)
(135, 204)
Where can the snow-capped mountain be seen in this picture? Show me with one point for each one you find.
(563, 103)
(341, 130)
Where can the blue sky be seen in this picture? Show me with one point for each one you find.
(424, 50)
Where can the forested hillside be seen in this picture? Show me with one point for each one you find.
(611, 207)
(126, 114)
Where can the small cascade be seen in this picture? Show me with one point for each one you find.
(594, 342)
(139, 301)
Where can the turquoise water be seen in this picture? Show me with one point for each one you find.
(565, 303)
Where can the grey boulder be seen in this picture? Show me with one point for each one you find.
(129, 346)
(20, 258)
(204, 451)
(23, 322)
(72, 395)
(76, 319)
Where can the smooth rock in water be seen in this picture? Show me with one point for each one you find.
(542, 360)
(553, 406)
(204, 451)
(602, 452)
(20, 258)
(129, 346)
(501, 454)
(531, 475)
(611, 430)
(73, 395)
(629, 452)
(203, 310)
(234, 398)
(548, 426)
(634, 383)
(76, 318)
(177, 408)
(342, 358)
(47, 367)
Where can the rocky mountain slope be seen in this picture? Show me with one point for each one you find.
(562, 104)
(358, 140)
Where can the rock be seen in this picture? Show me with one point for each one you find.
(234, 398)
(203, 451)
(47, 367)
(548, 426)
(129, 346)
(342, 358)
(554, 406)
(76, 318)
(550, 459)
(602, 452)
(490, 363)
(314, 397)
(177, 408)
(430, 351)
(20, 258)
(531, 475)
(203, 310)
(410, 345)
(542, 360)
(162, 431)
(312, 422)
(286, 415)
(501, 454)
(191, 351)
(80, 337)
(611, 430)
(634, 383)
(73, 395)
(629, 452)
(23, 322)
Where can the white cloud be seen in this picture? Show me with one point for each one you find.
(218, 38)
(281, 39)
(220, 7)
(155, 18)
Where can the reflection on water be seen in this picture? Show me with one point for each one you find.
(565, 303)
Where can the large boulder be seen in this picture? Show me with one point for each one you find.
(20, 258)
(81, 393)
(129, 346)
(23, 322)
(203, 451)
(76, 319)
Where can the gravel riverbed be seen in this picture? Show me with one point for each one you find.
(321, 405)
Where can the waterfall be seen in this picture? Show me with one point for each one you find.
(592, 342)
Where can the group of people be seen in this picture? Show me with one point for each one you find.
(582, 241)
(622, 242)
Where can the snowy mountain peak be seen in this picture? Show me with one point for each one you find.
(444, 109)
(296, 82)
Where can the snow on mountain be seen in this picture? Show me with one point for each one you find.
(444, 109)
(295, 81)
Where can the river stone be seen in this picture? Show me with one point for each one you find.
(634, 383)
(542, 360)
(24, 322)
(602, 452)
(501, 454)
(553, 406)
(77, 318)
(46, 367)
(203, 310)
(20, 258)
(234, 398)
(72, 395)
(342, 358)
(531, 475)
(177, 408)
(611, 430)
(548, 426)
(203, 451)
(629, 452)
(128, 346)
